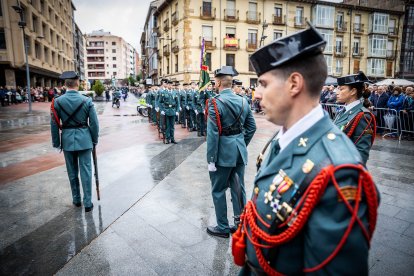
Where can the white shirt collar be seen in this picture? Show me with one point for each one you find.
(285, 138)
(352, 105)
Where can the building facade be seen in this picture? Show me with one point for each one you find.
(407, 45)
(108, 57)
(49, 36)
(358, 37)
(79, 52)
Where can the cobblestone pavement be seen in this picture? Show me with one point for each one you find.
(155, 201)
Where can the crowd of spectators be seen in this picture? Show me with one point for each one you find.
(9, 95)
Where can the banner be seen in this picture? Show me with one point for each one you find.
(204, 80)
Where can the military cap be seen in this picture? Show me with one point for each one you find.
(359, 78)
(237, 82)
(185, 84)
(301, 44)
(226, 71)
(212, 82)
(176, 83)
(164, 80)
(69, 75)
(170, 82)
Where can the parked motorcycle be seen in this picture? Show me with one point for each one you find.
(142, 107)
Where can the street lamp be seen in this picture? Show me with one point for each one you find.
(263, 37)
(22, 25)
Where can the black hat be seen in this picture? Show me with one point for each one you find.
(176, 83)
(237, 82)
(359, 78)
(170, 82)
(164, 81)
(185, 84)
(305, 43)
(212, 82)
(226, 70)
(69, 75)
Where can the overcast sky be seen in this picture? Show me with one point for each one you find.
(124, 18)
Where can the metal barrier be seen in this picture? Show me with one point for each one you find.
(406, 122)
(332, 109)
(387, 121)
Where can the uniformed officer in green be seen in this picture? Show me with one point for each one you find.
(169, 106)
(148, 98)
(199, 103)
(75, 115)
(314, 206)
(227, 138)
(183, 104)
(210, 90)
(191, 107)
(355, 120)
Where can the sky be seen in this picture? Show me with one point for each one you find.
(124, 18)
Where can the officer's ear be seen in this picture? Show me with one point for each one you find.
(296, 83)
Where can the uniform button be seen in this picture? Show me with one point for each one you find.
(331, 136)
(269, 216)
(256, 191)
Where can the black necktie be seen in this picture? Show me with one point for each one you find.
(274, 151)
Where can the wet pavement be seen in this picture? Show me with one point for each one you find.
(155, 201)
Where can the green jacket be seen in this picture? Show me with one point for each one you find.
(221, 149)
(74, 139)
(199, 101)
(326, 145)
(169, 102)
(362, 136)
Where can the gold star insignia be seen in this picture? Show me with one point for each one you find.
(302, 142)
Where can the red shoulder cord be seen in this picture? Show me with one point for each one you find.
(261, 239)
(213, 101)
(54, 114)
(354, 123)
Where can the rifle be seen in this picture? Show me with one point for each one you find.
(95, 165)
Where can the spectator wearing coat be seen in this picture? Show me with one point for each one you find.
(396, 100)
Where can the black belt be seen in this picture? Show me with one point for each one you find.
(230, 132)
(72, 127)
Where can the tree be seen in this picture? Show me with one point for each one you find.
(139, 76)
(98, 87)
(81, 87)
(131, 80)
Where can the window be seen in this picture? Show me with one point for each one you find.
(207, 8)
(277, 34)
(252, 37)
(176, 64)
(324, 16)
(46, 55)
(340, 20)
(299, 16)
(208, 60)
(113, 65)
(28, 44)
(2, 39)
(207, 33)
(113, 50)
(329, 63)
(356, 45)
(328, 37)
(278, 10)
(231, 8)
(379, 23)
(1, 11)
(376, 67)
(391, 27)
(231, 32)
(231, 60)
(113, 43)
(251, 69)
(338, 44)
(113, 58)
(114, 73)
(338, 69)
(377, 45)
(252, 13)
(34, 23)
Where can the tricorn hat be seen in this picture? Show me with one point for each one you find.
(72, 75)
(359, 78)
(226, 70)
(305, 43)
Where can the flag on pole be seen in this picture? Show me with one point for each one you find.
(204, 80)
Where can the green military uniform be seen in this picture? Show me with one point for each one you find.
(190, 108)
(199, 103)
(80, 130)
(169, 105)
(183, 104)
(227, 150)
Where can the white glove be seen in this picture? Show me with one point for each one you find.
(212, 167)
(162, 113)
(150, 106)
(203, 111)
(157, 109)
(196, 112)
(176, 113)
(57, 150)
(181, 109)
(188, 108)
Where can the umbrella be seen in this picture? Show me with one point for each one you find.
(331, 81)
(400, 82)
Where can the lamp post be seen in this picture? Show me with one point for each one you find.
(263, 37)
(22, 25)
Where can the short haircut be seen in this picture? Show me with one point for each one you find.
(313, 69)
(71, 83)
(226, 81)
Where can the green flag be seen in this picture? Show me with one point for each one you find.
(204, 75)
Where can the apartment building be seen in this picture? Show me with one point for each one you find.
(358, 37)
(79, 52)
(407, 45)
(49, 36)
(108, 57)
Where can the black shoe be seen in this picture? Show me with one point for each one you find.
(88, 209)
(173, 141)
(233, 229)
(77, 204)
(199, 134)
(214, 231)
(167, 142)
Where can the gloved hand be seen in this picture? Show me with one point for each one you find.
(212, 167)
(57, 150)
(162, 113)
(203, 111)
(176, 113)
(196, 112)
(181, 109)
(188, 108)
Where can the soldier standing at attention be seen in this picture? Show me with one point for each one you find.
(191, 107)
(230, 127)
(75, 115)
(183, 104)
(314, 205)
(355, 120)
(199, 102)
(169, 106)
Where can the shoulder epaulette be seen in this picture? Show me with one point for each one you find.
(336, 143)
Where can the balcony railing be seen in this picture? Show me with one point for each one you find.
(358, 28)
(253, 17)
(391, 54)
(209, 43)
(357, 51)
(279, 20)
(166, 50)
(207, 14)
(300, 22)
(340, 26)
(392, 31)
(174, 18)
(231, 44)
(251, 45)
(340, 52)
(156, 30)
(166, 25)
(174, 46)
(231, 15)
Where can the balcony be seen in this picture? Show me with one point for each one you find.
(300, 22)
(251, 45)
(156, 30)
(174, 18)
(340, 26)
(174, 46)
(279, 20)
(358, 28)
(253, 17)
(209, 43)
(392, 31)
(340, 52)
(357, 52)
(391, 54)
(207, 13)
(231, 15)
(166, 25)
(231, 44)
(166, 50)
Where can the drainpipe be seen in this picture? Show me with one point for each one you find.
(350, 42)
